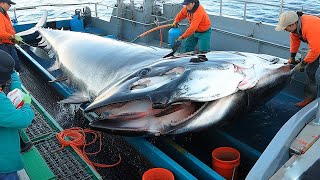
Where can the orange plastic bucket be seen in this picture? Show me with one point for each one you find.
(225, 161)
(158, 174)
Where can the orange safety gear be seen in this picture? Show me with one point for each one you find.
(310, 34)
(303, 103)
(7, 31)
(199, 20)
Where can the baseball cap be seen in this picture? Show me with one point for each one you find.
(6, 67)
(286, 19)
(8, 2)
(186, 2)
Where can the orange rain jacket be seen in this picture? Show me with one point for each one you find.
(199, 20)
(310, 33)
(6, 29)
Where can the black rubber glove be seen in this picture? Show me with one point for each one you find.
(300, 67)
(293, 61)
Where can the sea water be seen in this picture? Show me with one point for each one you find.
(234, 8)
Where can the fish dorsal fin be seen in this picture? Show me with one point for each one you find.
(76, 98)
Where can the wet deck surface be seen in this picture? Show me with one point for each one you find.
(255, 129)
(133, 164)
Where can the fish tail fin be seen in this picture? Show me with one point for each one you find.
(41, 23)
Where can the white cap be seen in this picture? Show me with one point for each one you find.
(286, 19)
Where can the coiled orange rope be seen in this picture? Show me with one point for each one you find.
(76, 138)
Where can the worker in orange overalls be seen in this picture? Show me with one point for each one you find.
(199, 29)
(7, 33)
(305, 28)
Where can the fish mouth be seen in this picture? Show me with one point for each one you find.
(139, 117)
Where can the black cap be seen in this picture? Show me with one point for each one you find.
(6, 67)
(186, 2)
(8, 2)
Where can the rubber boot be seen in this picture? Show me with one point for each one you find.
(304, 102)
(25, 146)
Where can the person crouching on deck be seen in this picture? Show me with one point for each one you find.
(305, 28)
(199, 29)
(11, 120)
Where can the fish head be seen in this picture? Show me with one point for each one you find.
(160, 98)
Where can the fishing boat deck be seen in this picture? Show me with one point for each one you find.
(45, 160)
(66, 164)
(187, 156)
(250, 134)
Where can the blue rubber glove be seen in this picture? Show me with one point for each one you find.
(27, 98)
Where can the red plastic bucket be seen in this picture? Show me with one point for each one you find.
(158, 174)
(225, 161)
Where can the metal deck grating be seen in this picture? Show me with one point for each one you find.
(38, 128)
(63, 163)
(135, 163)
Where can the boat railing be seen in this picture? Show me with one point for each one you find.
(222, 4)
(15, 9)
(96, 4)
(246, 3)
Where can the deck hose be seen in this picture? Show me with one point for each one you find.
(152, 30)
(76, 138)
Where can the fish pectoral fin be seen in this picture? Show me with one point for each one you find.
(76, 98)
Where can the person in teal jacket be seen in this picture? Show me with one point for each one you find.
(11, 121)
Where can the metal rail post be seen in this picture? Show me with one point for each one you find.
(245, 10)
(317, 120)
(96, 9)
(119, 14)
(15, 15)
(220, 7)
(281, 7)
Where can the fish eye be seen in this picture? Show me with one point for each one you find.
(143, 72)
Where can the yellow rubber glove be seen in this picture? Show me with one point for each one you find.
(180, 38)
(16, 39)
(174, 24)
(27, 98)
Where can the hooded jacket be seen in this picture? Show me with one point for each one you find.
(199, 20)
(310, 28)
(6, 28)
(11, 121)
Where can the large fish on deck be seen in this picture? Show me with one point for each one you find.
(137, 92)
